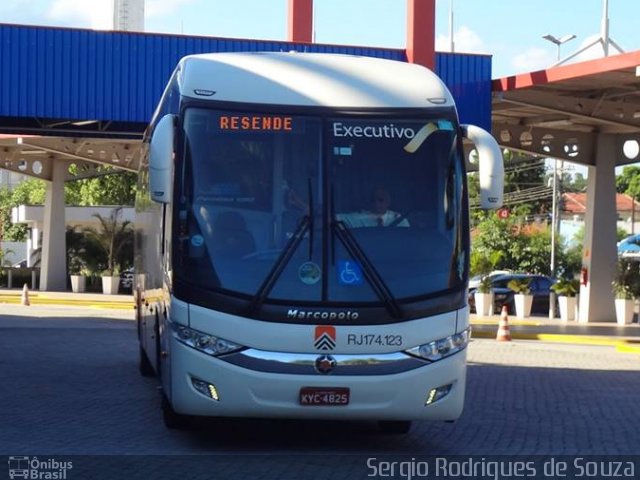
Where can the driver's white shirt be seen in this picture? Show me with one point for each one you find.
(371, 219)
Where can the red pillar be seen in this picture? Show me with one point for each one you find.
(300, 21)
(421, 32)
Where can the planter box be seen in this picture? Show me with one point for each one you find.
(523, 305)
(484, 303)
(568, 308)
(110, 285)
(624, 311)
(78, 283)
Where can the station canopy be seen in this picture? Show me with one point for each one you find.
(558, 112)
(34, 155)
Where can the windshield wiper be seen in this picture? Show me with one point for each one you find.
(311, 217)
(373, 277)
(279, 266)
(306, 224)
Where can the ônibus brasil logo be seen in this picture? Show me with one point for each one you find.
(325, 338)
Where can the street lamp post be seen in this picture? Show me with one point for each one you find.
(559, 41)
(555, 201)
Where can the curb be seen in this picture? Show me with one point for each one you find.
(494, 323)
(630, 346)
(34, 299)
(623, 346)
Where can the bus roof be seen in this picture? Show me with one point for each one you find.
(310, 79)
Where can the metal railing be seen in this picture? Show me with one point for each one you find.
(12, 277)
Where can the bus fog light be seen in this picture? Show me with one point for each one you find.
(206, 389)
(436, 394)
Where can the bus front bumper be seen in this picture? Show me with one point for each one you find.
(242, 392)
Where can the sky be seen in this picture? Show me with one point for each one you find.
(509, 30)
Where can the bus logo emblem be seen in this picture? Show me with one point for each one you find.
(325, 338)
(325, 364)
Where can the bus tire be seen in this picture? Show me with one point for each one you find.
(172, 419)
(394, 427)
(144, 365)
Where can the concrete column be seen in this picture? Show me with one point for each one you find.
(30, 248)
(33, 242)
(599, 253)
(421, 32)
(300, 21)
(53, 273)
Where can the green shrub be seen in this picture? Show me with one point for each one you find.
(566, 287)
(520, 285)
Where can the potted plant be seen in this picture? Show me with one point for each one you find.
(566, 289)
(483, 297)
(522, 298)
(625, 287)
(79, 257)
(78, 274)
(114, 235)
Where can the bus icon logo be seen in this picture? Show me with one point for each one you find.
(18, 467)
(325, 338)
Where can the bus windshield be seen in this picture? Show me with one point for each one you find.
(303, 208)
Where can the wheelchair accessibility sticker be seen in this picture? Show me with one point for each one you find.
(349, 273)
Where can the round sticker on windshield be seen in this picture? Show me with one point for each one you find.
(197, 240)
(309, 273)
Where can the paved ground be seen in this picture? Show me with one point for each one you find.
(70, 386)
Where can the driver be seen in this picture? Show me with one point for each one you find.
(379, 213)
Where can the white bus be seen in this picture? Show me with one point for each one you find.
(303, 240)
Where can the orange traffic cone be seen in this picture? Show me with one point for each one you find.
(503, 328)
(25, 295)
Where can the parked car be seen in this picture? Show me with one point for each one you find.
(629, 247)
(474, 282)
(540, 286)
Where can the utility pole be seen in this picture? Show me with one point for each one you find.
(555, 223)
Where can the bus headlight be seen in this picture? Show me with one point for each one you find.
(203, 342)
(444, 347)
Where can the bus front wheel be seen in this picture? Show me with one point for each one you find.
(144, 365)
(172, 419)
(394, 427)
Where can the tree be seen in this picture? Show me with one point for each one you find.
(114, 236)
(30, 192)
(111, 187)
(514, 246)
(623, 181)
(577, 183)
(524, 175)
(84, 252)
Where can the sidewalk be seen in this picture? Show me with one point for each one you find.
(626, 338)
(96, 300)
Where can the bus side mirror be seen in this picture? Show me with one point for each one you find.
(161, 160)
(490, 166)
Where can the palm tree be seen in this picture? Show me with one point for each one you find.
(113, 236)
